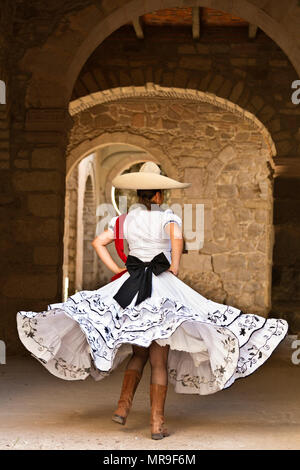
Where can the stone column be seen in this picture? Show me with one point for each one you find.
(31, 275)
(286, 265)
(71, 229)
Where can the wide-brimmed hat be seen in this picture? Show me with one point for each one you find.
(148, 177)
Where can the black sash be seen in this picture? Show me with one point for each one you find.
(140, 279)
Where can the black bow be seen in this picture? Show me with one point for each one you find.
(140, 279)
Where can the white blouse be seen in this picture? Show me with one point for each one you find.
(144, 231)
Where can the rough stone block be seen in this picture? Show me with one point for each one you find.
(30, 286)
(198, 178)
(196, 262)
(195, 63)
(45, 205)
(227, 191)
(47, 158)
(220, 262)
(30, 230)
(46, 255)
(38, 181)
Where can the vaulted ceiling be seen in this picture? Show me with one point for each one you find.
(192, 25)
(184, 16)
(195, 17)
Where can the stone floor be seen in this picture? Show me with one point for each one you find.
(40, 411)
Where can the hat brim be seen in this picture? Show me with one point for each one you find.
(145, 180)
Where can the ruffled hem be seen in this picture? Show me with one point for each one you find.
(210, 347)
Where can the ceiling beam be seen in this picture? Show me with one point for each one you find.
(138, 27)
(196, 22)
(252, 31)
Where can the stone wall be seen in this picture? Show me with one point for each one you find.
(43, 48)
(227, 158)
(256, 75)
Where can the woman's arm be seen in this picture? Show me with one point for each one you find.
(175, 234)
(99, 243)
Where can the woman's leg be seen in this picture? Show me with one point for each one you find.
(139, 358)
(158, 388)
(132, 377)
(158, 356)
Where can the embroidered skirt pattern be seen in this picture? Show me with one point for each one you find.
(211, 344)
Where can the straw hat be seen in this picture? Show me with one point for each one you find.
(148, 177)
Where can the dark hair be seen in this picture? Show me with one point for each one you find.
(145, 196)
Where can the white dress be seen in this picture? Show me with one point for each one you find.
(211, 344)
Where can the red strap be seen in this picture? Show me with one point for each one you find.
(118, 275)
(119, 236)
(119, 242)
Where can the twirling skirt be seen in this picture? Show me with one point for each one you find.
(211, 344)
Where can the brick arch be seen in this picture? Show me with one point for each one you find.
(153, 90)
(91, 26)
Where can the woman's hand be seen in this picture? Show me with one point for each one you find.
(120, 270)
(173, 270)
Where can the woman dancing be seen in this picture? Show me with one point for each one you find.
(147, 312)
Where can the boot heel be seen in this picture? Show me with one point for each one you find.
(130, 382)
(157, 399)
(160, 435)
(119, 419)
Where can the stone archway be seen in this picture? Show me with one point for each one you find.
(88, 187)
(52, 85)
(226, 152)
(38, 136)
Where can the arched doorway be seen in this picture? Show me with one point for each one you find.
(41, 138)
(231, 172)
(89, 281)
(89, 199)
(94, 26)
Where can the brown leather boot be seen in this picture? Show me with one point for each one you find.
(157, 399)
(131, 380)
